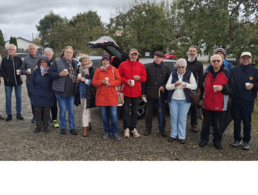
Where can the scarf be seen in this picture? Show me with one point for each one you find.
(84, 70)
(103, 68)
(44, 70)
(70, 70)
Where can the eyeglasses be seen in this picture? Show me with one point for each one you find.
(181, 67)
(216, 60)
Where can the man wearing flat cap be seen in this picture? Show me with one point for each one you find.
(246, 80)
(157, 77)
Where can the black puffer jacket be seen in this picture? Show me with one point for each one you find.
(8, 71)
(196, 68)
(157, 76)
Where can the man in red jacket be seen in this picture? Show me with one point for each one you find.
(132, 74)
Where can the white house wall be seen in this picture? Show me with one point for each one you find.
(22, 44)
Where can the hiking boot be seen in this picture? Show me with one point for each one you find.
(55, 124)
(171, 139)
(236, 143)
(37, 130)
(19, 116)
(63, 132)
(127, 133)
(45, 130)
(246, 146)
(73, 132)
(218, 145)
(164, 134)
(147, 132)
(9, 117)
(135, 133)
(203, 143)
(182, 141)
(194, 129)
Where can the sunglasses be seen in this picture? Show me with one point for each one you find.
(216, 60)
(181, 67)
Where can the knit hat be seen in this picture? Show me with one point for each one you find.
(45, 59)
(105, 57)
(221, 50)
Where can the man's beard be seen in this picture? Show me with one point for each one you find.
(191, 58)
(133, 59)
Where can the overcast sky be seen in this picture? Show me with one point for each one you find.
(18, 18)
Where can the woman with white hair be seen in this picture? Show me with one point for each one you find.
(178, 99)
(48, 52)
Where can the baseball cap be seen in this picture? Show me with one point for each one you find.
(246, 53)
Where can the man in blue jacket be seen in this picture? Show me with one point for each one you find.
(246, 80)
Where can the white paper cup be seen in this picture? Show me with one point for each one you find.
(214, 87)
(132, 82)
(246, 84)
(17, 72)
(29, 69)
(183, 83)
(79, 75)
(144, 99)
(107, 79)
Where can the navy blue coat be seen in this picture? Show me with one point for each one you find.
(41, 89)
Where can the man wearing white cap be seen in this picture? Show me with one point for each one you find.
(246, 80)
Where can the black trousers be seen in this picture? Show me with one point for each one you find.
(216, 118)
(38, 115)
(54, 109)
(194, 109)
(28, 90)
(130, 121)
(151, 104)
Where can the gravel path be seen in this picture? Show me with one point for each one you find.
(19, 142)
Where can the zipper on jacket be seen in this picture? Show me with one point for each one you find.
(14, 73)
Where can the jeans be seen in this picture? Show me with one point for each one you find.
(178, 115)
(243, 112)
(111, 111)
(28, 90)
(66, 103)
(151, 104)
(130, 121)
(8, 96)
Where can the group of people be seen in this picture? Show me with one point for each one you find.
(224, 90)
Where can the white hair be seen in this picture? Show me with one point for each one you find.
(32, 45)
(49, 50)
(215, 56)
(13, 46)
(181, 62)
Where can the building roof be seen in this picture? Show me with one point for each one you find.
(27, 41)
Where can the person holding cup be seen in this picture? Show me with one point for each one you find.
(132, 74)
(64, 74)
(28, 65)
(216, 85)
(11, 73)
(246, 78)
(86, 73)
(179, 100)
(106, 96)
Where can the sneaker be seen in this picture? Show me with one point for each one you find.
(127, 133)
(55, 124)
(9, 117)
(33, 120)
(236, 143)
(117, 137)
(19, 116)
(106, 136)
(246, 146)
(135, 133)
(218, 145)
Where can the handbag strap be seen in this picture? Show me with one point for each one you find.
(114, 76)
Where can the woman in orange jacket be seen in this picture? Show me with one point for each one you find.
(106, 79)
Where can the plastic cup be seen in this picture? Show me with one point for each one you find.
(29, 69)
(246, 84)
(107, 79)
(132, 82)
(65, 69)
(17, 72)
(144, 99)
(214, 87)
(79, 75)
